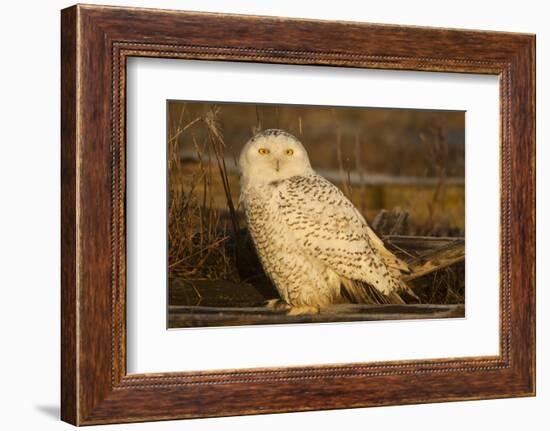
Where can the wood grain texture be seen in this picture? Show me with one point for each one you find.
(69, 397)
(96, 41)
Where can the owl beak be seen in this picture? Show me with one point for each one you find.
(277, 165)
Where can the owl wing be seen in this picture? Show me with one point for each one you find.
(329, 227)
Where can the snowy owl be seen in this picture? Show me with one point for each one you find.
(312, 242)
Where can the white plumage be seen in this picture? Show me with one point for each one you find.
(312, 242)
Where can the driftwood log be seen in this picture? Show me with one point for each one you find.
(187, 316)
(430, 253)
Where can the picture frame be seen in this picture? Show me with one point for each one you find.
(96, 42)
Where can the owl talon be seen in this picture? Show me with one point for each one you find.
(304, 309)
(277, 304)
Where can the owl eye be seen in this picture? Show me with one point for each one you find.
(289, 152)
(263, 151)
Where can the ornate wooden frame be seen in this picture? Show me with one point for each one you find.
(95, 43)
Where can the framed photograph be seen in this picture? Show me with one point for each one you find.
(264, 214)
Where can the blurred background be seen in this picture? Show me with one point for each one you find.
(381, 157)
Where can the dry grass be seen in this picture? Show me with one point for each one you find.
(198, 232)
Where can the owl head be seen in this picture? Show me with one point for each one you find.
(273, 155)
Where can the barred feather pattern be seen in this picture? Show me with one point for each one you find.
(316, 246)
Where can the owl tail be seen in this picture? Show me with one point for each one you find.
(360, 292)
